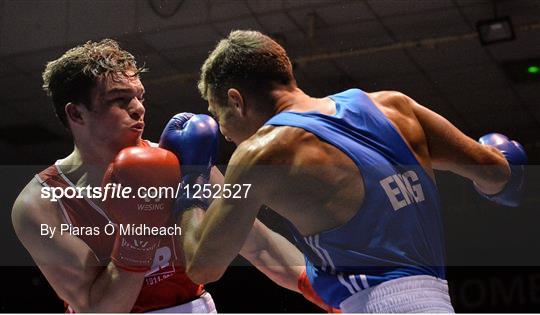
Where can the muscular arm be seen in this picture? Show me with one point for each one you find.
(274, 256)
(453, 151)
(268, 251)
(68, 263)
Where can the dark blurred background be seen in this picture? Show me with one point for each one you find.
(428, 49)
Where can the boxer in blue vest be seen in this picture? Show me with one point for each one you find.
(352, 172)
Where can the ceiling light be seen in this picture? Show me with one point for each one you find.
(495, 30)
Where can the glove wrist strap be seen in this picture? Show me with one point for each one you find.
(188, 197)
(510, 195)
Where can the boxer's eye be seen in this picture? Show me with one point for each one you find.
(123, 101)
(114, 101)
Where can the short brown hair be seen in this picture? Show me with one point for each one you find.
(71, 77)
(245, 59)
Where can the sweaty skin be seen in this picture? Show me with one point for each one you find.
(312, 183)
(68, 263)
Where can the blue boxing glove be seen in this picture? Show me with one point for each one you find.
(517, 158)
(194, 139)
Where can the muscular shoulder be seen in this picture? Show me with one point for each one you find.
(29, 210)
(277, 158)
(399, 109)
(392, 100)
(277, 145)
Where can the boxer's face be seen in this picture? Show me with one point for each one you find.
(235, 120)
(225, 118)
(116, 115)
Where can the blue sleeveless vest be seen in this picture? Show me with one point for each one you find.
(397, 230)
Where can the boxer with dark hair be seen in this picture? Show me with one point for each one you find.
(352, 172)
(97, 94)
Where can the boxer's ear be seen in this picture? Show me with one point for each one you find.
(236, 101)
(73, 113)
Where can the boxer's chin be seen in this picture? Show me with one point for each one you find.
(130, 139)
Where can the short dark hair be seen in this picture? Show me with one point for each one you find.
(71, 77)
(245, 59)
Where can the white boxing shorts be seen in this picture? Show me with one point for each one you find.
(204, 304)
(414, 294)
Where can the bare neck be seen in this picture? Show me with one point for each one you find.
(298, 101)
(87, 164)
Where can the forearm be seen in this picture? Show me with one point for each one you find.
(113, 291)
(451, 150)
(281, 261)
(200, 267)
(218, 240)
(492, 178)
(488, 169)
(274, 256)
(208, 251)
(85, 285)
(191, 224)
(80, 280)
(191, 221)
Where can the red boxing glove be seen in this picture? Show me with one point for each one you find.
(137, 167)
(309, 293)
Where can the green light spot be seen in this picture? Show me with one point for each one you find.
(533, 69)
